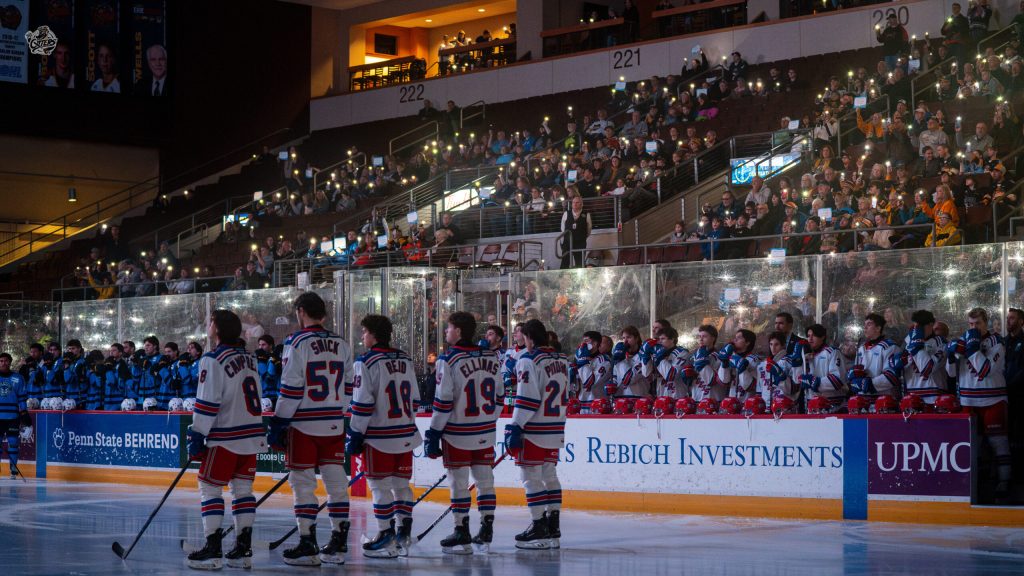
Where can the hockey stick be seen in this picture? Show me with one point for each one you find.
(188, 548)
(273, 545)
(448, 511)
(116, 546)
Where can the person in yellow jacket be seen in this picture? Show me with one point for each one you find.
(946, 233)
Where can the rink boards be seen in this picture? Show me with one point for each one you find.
(858, 468)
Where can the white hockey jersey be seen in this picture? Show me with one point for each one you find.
(829, 366)
(543, 380)
(924, 374)
(316, 382)
(594, 376)
(768, 389)
(228, 408)
(670, 373)
(742, 384)
(384, 400)
(980, 375)
(629, 379)
(469, 397)
(509, 357)
(706, 384)
(874, 356)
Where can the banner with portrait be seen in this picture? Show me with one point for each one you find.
(149, 47)
(13, 44)
(56, 69)
(102, 66)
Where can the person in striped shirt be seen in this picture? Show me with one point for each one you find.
(225, 436)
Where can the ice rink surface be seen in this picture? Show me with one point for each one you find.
(67, 528)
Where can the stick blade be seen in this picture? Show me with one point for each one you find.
(118, 549)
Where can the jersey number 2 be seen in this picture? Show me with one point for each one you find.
(555, 393)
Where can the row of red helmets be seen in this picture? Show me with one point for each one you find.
(662, 405)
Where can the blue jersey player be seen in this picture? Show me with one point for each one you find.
(13, 412)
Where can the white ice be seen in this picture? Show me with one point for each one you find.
(52, 527)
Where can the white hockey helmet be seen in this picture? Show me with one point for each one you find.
(268, 405)
(26, 434)
(188, 404)
(32, 403)
(68, 404)
(149, 404)
(128, 405)
(175, 405)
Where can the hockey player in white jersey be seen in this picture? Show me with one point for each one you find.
(702, 370)
(467, 404)
(819, 370)
(923, 360)
(977, 360)
(737, 366)
(537, 433)
(309, 425)
(226, 435)
(594, 368)
(628, 380)
(773, 375)
(383, 429)
(508, 367)
(872, 374)
(668, 361)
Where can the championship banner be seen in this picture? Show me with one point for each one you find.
(102, 65)
(55, 65)
(149, 48)
(13, 43)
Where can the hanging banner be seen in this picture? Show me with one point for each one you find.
(53, 24)
(102, 41)
(149, 47)
(13, 42)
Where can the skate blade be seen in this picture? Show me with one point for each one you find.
(213, 564)
(461, 550)
(534, 545)
(382, 553)
(332, 558)
(244, 563)
(555, 543)
(483, 548)
(303, 561)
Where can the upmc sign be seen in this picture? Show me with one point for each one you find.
(926, 458)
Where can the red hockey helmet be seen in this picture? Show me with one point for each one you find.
(643, 406)
(623, 406)
(858, 404)
(886, 404)
(685, 406)
(707, 406)
(600, 406)
(730, 405)
(573, 406)
(912, 404)
(754, 405)
(819, 405)
(782, 404)
(947, 404)
(663, 405)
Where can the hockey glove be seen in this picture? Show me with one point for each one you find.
(610, 388)
(582, 356)
(725, 353)
(355, 444)
(196, 444)
(513, 437)
(862, 385)
(619, 353)
(689, 373)
(799, 351)
(898, 362)
(647, 351)
(856, 371)
(740, 363)
(810, 382)
(660, 353)
(776, 372)
(972, 342)
(433, 444)
(484, 344)
(277, 436)
(954, 349)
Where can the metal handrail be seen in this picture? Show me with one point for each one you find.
(57, 294)
(351, 160)
(772, 150)
(463, 116)
(852, 114)
(780, 237)
(932, 72)
(431, 125)
(687, 82)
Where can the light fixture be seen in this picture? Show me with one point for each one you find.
(428, 20)
(480, 10)
(72, 194)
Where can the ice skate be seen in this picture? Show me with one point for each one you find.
(210, 556)
(240, 556)
(403, 538)
(536, 537)
(459, 541)
(335, 550)
(553, 529)
(306, 553)
(383, 546)
(482, 540)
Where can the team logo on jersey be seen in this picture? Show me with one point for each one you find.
(58, 438)
(357, 381)
(5, 389)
